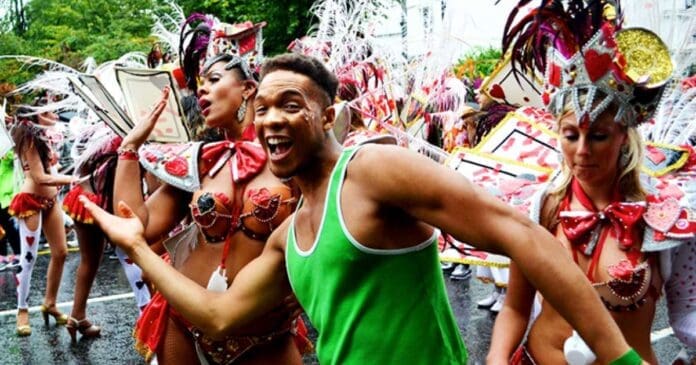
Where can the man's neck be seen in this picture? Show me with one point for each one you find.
(314, 178)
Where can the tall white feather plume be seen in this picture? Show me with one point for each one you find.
(54, 81)
(90, 141)
(167, 26)
(673, 120)
(31, 61)
(425, 77)
(345, 32)
(89, 65)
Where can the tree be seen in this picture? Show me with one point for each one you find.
(69, 31)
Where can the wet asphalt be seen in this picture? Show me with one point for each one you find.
(113, 307)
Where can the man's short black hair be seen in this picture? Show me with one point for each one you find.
(305, 65)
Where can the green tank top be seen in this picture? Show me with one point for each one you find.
(372, 306)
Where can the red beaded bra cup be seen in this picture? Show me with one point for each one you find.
(587, 232)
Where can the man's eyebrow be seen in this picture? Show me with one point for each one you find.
(280, 95)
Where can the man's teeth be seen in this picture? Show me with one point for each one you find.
(278, 144)
(276, 140)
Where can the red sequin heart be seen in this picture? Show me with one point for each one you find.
(30, 240)
(546, 98)
(177, 166)
(632, 285)
(497, 92)
(597, 64)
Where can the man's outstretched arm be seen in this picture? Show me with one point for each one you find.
(447, 200)
(257, 289)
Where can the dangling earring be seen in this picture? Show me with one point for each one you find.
(624, 156)
(241, 112)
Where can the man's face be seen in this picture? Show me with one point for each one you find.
(289, 117)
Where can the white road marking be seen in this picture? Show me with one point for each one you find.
(69, 304)
(660, 334)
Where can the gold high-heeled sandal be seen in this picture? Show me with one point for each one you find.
(51, 310)
(84, 326)
(23, 329)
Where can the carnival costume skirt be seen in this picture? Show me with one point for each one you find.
(25, 205)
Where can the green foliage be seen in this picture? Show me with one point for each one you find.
(69, 31)
(479, 62)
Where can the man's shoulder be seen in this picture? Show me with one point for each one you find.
(376, 157)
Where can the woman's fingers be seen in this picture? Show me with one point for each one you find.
(99, 214)
(124, 210)
(143, 128)
(159, 107)
(124, 229)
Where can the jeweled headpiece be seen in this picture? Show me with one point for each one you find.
(205, 40)
(588, 60)
(242, 40)
(628, 67)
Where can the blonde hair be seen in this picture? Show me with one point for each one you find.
(628, 180)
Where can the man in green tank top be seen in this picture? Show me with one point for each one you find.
(360, 252)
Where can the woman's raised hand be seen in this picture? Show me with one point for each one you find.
(124, 230)
(138, 135)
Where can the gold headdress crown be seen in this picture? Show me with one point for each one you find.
(628, 68)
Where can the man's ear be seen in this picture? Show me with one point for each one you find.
(328, 118)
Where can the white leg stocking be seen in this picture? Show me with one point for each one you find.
(135, 278)
(29, 247)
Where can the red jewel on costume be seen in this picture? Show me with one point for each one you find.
(597, 64)
(555, 75)
(545, 98)
(151, 157)
(265, 204)
(177, 166)
(623, 270)
(497, 92)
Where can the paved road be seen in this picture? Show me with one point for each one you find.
(113, 307)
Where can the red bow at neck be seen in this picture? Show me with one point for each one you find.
(583, 228)
(248, 159)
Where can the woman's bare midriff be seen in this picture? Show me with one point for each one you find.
(199, 266)
(549, 332)
(29, 186)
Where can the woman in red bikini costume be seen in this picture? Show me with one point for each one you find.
(96, 166)
(231, 196)
(608, 217)
(35, 208)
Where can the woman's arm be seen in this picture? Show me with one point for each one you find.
(37, 173)
(511, 323)
(166, 206)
